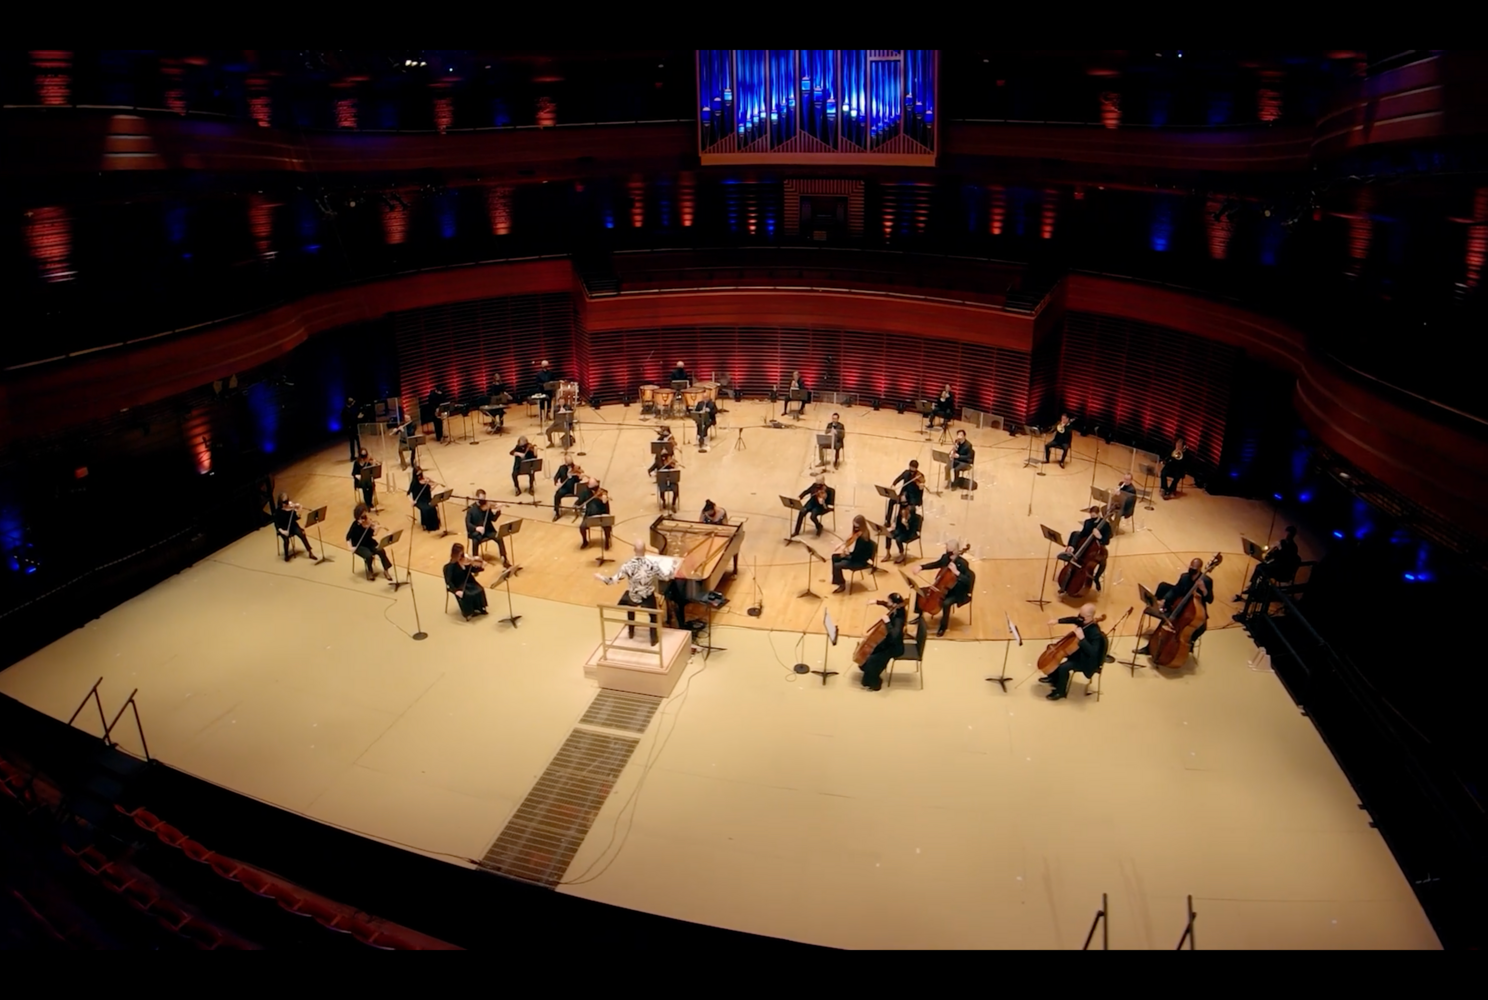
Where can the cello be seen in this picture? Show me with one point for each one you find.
(1172, 643)
(870, 642)
(1056, 652)
(1075, 575)
(931, 598)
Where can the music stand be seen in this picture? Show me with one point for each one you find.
(811, 554)
(530, 468)
(605, 522)
(1054, 538)
(1149, 603)
(1149, 473)
(824, 444)
(926, 408)
(798, 396)
(791, 503)
(440, 498)
(1102, 497)
(370, 477)
(1252, 550)
(386, 544)
(504, 533)
(505, 578)
(944, 458)
(831, 637)
(1037, 463)
(668, 478)
(1018, 638)
(312, 520)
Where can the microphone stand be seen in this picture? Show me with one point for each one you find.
(419, 634)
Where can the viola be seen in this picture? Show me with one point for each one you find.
(1172, 643)
(1074, 577)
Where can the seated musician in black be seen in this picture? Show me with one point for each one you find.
(498, 400)
(713, 514)
(856, 553)
(890, 646)
(1128, 498)
(818, 502)
(1280, 565)
(459, 579)
(905, 529)
(705, 413)
(1061, 440)
(945, 408)
(679, 374)
(287, 524)
(1174, 468)
(540, 384)
(432, 404)
(913, 494)
(797, 382)
(523, 452)
(480, 525)
(407, 450)
(1089, 658)
(1171, 593)
(663, 436)
(962, 457)
(673, 488)
(960, 592)
(563, 421)
(361, 538)
(1098, 526)
(568, 479)
(594, 501)
(361, 474)
(838, 432)
(421, 490)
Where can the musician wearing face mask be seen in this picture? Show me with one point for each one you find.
(796, 383)
(1126, 497)
(432, 406)
(664, 437)
(568, 479)
(816, 496)
(713, 514)
(287, 524)
(543, 379)
(523, 452)
(459, 579)
(960, 591)
(855, 553)
(361, 473)
(838, 432)
(1089, 657)
(1174, 468)
(1170, 594)
(963, 457)
(421, 491)
(888, 647)
(595, 502)
(480, 525)
(905, 529)
(945, 408)
(362, 538)
(670, 494)
(913, 493)
(1095, 525)
(705, 414)
(1063, 436)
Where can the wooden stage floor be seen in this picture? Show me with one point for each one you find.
(948, 815)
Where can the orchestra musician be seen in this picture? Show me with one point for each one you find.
(1280, 565)
(663, 436)
(361, 538)
(351, 417)
(818, 498)
(963, 456)
(524, 451)
(1173, 469)
(361, 474)
(1171, 593)
(480, 525)
(421, 491)
(596, 502)
(1063, 436)
(890, 646)
(544, 378)
(838, 432)
(673, 488)
(913, 492)
(287, 524)
(642, 574)
(1128, 491)
(905, 529)
(713, 514)
(1094, 524)
(407, 450)
(679, 374)
(459, 579)
(432, 405)
(796, 382)
(1089, 658)
(563, 421)
(945, 408)
(567, 479)
(960, 592)
(705, 413)
(855, 553)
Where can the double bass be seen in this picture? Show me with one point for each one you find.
(931, 598)
(1074, 576)
(1055, 653)
(1171, 644)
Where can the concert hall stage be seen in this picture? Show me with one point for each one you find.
(953, 815)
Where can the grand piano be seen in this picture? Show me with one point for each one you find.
(702, 552)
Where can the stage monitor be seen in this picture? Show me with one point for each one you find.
(817, 106)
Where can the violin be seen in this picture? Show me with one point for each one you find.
(1172, 643)
(1055, 653)
(847, 546)
(933, 597)
(1074, 576)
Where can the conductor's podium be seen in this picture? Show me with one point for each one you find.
(620, 663)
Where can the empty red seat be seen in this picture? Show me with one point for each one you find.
(170, 835)
(170, 916)
(196, 852)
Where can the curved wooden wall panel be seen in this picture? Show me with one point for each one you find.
(1259, 149)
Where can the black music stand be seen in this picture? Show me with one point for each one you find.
(505, 578)
(791, 503)
(414, 442)
(605, 522)
(440, 498)
(504, 533)
(926, 408)
(831, 640)
(530, 468)
(944, 458)
(667, 447)
(313, 519)
(811, 554)
(1054, 538)
(386, 544)
(368, 477)
(1149, 603)
(678, 384)
(824, 444)
(798, 396)
(1032, 459)
(1018, 638)
(1253, 550)
(712, 601)
(664, 479)
(1102, 497)
(1149, 473)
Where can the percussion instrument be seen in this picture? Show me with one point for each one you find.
(711, 388)
(568, 394)
(664, 398)
(648, 395)
(691, 397)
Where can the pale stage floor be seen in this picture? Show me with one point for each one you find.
(953, 815)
